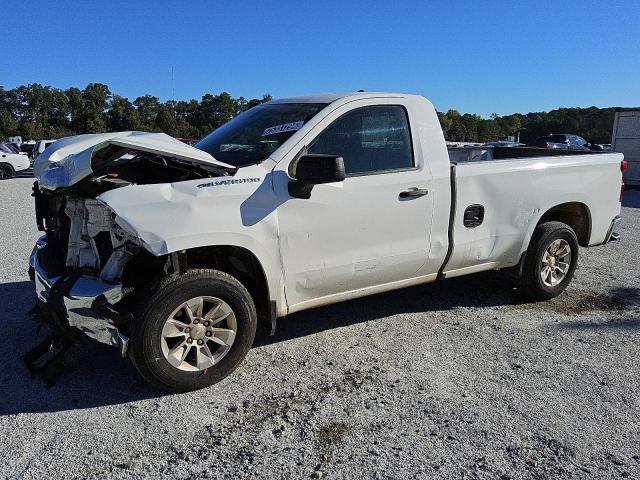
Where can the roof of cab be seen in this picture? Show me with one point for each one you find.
(332, 97)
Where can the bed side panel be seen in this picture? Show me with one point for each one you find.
(516, 193)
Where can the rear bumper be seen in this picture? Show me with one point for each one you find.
(75, 304)
(611, 233)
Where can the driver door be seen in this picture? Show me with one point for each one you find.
(366, 231)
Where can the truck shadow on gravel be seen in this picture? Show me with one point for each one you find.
(487, 289)
(482, 290)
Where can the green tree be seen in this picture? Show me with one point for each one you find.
(75, 107)
(95, 98)
(214, 110)
(8, 123)
(8, 120)
(166, 119)
(147, 107)
(122, 115)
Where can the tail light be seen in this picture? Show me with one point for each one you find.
(624, 166)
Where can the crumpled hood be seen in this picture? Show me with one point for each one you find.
(70, 159)
(169, 217)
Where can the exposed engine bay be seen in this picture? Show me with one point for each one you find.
(82, 236)
(82, 232)
(146, 168)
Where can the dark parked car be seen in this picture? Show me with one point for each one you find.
(562, 140)
(27, 148)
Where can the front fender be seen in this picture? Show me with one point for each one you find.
(231, 211)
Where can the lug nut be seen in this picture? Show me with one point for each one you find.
(196, 321)
(206, 324)
(187, 330)
(208, 334)
(200, 342)
(189, 340)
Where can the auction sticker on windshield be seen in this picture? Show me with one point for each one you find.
(285, 127)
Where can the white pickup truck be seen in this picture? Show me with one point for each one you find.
(173, 253)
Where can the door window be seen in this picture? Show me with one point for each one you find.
(369, 139)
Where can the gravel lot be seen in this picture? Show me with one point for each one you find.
(452, 380)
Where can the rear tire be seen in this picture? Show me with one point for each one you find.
(550, 261)
(6, 171)
(168, 345)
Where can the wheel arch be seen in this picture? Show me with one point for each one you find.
(575, 214)
(242, 264)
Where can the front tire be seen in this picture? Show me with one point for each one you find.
(193, 330)
(550, 261)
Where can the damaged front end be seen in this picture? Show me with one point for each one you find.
(89, 264)
(77, 269)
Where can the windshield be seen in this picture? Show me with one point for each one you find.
(255, 134)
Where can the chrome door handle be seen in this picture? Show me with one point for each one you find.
(413, 193)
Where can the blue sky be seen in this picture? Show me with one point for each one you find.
(475, 56)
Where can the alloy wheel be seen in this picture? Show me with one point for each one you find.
(556, 262)
(198, 334)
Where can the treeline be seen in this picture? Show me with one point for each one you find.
(35, 111)
(594, 124)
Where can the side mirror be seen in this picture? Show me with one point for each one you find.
(313, 169)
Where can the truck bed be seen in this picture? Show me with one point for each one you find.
(481, 153)
(515, 191)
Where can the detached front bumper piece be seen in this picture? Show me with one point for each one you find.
(75, 303)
